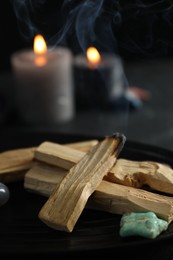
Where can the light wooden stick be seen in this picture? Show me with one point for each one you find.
(138, 173)
(120, 199)
(67, 201)
(109, 197)
(42, 178)
(15, 163)
(131, 173)
(58, 155)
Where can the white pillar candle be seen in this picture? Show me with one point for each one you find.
(44, 85)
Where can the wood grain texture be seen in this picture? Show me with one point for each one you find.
(157, 176)
(110, 197)
(67, 201)
(15, 163)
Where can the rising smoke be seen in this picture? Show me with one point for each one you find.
(130, 27)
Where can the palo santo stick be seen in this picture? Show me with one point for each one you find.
(15, 163)
(66, 203)
(58, 155)
(120, 199)
(109, 197)
(136, 174)
(42, 178)
(131, 173)
(65, 156)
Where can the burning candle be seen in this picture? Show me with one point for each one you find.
(44, 83)
(99, 80)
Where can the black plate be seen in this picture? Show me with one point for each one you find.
(96, 232)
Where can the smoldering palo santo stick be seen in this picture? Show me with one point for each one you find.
(66, 203)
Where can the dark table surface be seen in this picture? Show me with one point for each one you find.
(151, 124)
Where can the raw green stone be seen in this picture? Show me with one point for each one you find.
(142, 224)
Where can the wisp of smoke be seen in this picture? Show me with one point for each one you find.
(129, 26)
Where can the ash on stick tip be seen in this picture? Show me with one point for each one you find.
(122, 138)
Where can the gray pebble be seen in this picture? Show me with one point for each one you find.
(4, 194)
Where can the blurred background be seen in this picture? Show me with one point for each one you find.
(141, 32)
(134, 29)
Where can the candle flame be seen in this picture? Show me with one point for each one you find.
(40, 46)
(93, 55)
(40, 49)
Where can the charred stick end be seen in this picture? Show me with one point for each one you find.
(122, 139)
